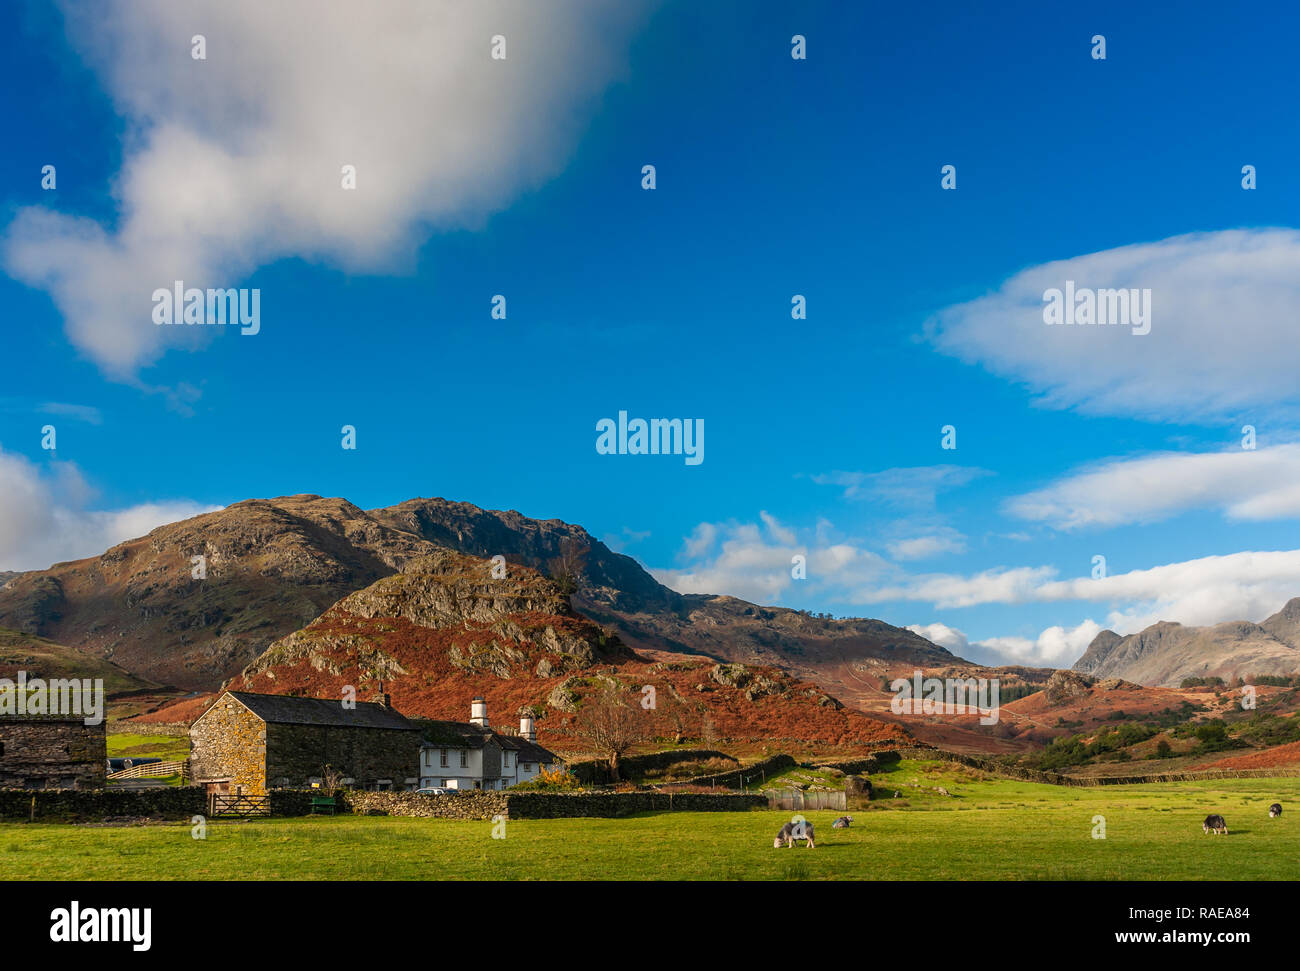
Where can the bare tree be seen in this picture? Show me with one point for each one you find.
(568, 568)
(331, 778)
(611, 727)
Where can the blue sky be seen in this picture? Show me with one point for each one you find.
(775, 177)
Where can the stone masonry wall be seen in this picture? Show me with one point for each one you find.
(297, 753)
(44, 753)
(229, 742)
(545, 805)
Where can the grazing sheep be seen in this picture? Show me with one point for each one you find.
(842, 822)
(1215, 824)
(1275, 810)
(794, 831)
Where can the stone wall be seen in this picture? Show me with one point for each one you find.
(298, 753)
(229, 742)
(874, 762)
(555, 805)
(51, 753)
(471, 804)
(759, 772)
(127, 727)
(546, 805)
(596, 771)
(48, 805)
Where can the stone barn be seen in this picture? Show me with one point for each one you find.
(250, 743)
(51, 752)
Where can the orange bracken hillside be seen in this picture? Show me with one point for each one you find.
(444, 631)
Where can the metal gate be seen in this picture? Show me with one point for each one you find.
(795, 799)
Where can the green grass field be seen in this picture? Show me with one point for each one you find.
(166, 747)
(985, 830)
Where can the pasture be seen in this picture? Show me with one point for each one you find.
(985, 829)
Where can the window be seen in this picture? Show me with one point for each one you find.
(2, 748)
(444, 758)
(464, 757)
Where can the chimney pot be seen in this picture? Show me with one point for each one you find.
(478, 713)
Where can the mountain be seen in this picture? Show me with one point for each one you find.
(271, 567)
(616, 591)
(1167, 653)
(275, 565)
(445, 630)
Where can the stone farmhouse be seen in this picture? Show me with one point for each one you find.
(51, 752)
(470, 755)
(249, 743)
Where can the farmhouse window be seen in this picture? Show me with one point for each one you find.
(2, 748)
(464, 758)
(444, 758)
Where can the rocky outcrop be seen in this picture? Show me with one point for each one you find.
(1167, 653)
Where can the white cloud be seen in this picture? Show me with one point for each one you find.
(916, 487)
(1054, 647)
(1244, 484)
(44, 519)
(753, 561)
(1204, 591)
(1222, 339)
(233, 162)
(998, 585)
(921, 547)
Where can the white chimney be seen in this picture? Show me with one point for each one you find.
(478, 713)
(526, 729)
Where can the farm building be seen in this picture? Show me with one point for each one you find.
(51, 752)
(470, 755)
(250, 743)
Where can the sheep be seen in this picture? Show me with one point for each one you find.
(1215, 824)
(1275, 810)
(842, 822)
(794, 831)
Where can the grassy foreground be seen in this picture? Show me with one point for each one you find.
(984, 830)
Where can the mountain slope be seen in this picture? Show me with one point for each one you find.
(444, 631)
(618, 592)
(271, 566)
(274, 565)
(1166, 653)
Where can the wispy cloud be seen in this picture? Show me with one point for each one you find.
(1243, 484)
(1222, 339)
(755, 561)
(917, 487)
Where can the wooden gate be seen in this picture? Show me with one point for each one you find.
(228, 804)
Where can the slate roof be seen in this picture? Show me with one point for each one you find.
(287, 710)
(439, 734)
(528, 751)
